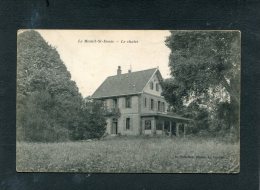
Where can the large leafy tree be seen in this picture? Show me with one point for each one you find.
(49, 105)
(205, 69)
(39, 67)
(48, 101)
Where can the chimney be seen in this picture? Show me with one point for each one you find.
(130, 69)
(119, 70)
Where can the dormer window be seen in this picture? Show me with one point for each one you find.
(151, 85)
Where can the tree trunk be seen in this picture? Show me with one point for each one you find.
(232, 92)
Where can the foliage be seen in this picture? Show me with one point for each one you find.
(49, 105)
(200, 116)
(35, 122)
(93, 123)
(205, 69)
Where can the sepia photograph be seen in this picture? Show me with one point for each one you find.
(128, 101)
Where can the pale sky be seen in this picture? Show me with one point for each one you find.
(91, 62)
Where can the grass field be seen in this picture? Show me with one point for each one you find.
(134, 155)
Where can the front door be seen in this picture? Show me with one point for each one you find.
(114, 127)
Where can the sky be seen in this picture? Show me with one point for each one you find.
(93, 55)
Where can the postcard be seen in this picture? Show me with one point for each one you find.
(128, 101)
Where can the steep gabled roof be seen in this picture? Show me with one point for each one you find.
(124, 84)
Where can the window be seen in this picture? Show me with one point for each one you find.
(157, 87)
(147, 125)
(151, 85)
(163, 106)
(128, 102)
(152, 104)
(159, 106)
(145, 102)
(127, 124)
(115, 105)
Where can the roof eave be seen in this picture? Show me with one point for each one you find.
(113, 96)
(166, 115)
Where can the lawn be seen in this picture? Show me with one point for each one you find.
(132, 154)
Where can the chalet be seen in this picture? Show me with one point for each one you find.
(135, 106)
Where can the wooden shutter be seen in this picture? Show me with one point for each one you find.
(130, 102)
(124, 124)
(163, 107)
(131, 123)
(123, 102)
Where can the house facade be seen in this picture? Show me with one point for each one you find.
(135, 106)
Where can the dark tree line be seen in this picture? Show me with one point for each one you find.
(49, 105)
(205, 82)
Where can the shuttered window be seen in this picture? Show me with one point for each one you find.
(115, 104)
(127, 124)
(163, 106)
(152, 104)
(128, 102)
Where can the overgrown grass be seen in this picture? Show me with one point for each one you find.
(134, 155)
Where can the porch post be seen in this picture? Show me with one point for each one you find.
(170, 128)
(177, 129)
(153, 126)
(141, 126)
(163, 126)
(184, 130)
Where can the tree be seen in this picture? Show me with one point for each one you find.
(205, 69)
(48, 101)
(92, 122)
(95, 111)
(49, 105)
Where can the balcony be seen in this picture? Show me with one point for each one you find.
(115, 112)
